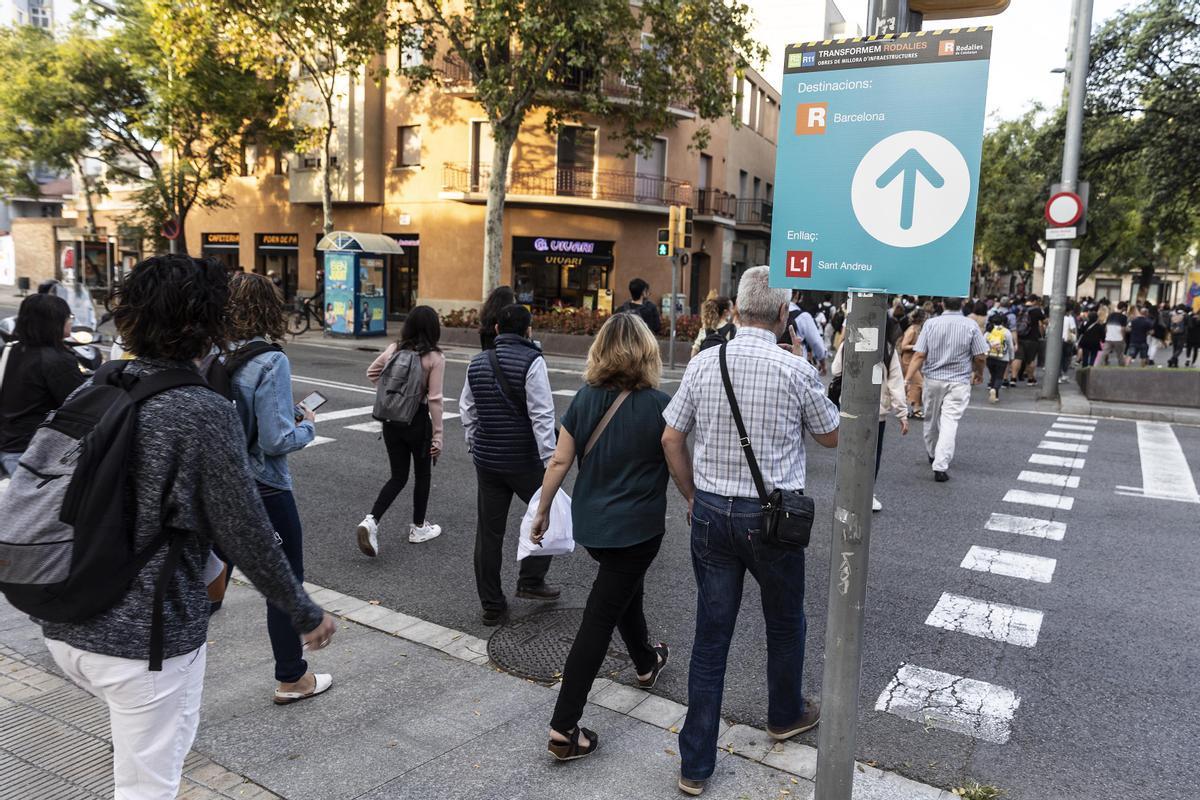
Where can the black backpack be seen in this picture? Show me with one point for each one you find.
(220, 374)
(66, 549)
(1024, 324)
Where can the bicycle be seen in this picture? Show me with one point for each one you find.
(307, 311)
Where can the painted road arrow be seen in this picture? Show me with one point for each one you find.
(909, 165)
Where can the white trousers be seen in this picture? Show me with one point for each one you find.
(154, 715)
(945, 404)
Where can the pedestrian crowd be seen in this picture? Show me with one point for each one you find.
(189, 436)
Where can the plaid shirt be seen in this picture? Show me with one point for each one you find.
(779, 395)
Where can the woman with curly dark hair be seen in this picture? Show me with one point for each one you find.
(188, 474)
(262, 393)
(500, 298)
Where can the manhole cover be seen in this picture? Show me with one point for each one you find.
(536, 647)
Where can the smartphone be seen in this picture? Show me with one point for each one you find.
(312, 402)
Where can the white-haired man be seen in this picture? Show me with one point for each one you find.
(780, 396)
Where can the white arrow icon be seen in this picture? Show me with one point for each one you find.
(910, 189)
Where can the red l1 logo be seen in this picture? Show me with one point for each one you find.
(799, 264)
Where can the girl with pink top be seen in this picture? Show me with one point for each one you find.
(419, 440)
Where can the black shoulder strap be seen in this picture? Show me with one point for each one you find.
(505, 386)
(170, 564)
(741, 427)
(155, 383)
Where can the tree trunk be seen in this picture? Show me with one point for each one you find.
(327, 168)
(493, 231)
(181, 240)
(86, 183)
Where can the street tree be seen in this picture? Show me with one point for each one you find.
(329, 44)
(165, 104)
(566, 57)
(34, 134)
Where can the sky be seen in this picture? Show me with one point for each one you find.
(1030, 39)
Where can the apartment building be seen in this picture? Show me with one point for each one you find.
(580, 220)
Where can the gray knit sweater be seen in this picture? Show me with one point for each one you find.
(190, 471)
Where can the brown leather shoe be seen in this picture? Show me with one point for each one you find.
(808, 720)
(689, 786)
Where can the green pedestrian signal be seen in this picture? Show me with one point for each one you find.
(664, 249)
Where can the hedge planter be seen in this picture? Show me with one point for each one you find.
(1145, 385)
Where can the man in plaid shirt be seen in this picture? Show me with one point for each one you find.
(780, 397)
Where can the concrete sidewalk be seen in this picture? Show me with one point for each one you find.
(415, 712)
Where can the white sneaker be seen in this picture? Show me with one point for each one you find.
(423, 533)
(875, 504)
(368, 536)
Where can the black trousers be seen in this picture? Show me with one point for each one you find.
(407, 442)
(615, 602)
(494, 497)
(997, 369)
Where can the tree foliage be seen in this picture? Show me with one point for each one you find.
(634, 65)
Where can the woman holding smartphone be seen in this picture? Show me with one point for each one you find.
(262, 390)
(418, 441)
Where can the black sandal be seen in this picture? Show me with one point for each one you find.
(569, 751)
(663, 653)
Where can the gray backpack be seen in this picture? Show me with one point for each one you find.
(401, 388)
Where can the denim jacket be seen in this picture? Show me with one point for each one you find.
(262, 391)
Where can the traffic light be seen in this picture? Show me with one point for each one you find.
(681, 227)
(664, 241)
(672, 229)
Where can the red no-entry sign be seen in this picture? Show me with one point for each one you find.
(1064, 209)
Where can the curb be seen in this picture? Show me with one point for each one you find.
(1073, 401)
(744, 741)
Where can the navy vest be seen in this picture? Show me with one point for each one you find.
(504, 440)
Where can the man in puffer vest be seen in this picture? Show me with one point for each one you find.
(508, 418)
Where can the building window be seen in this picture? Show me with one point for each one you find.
(280, 163)
(410, 47)
(747, 100)
(576, 157)
(757, 188)
(482, 148)
(743, 181)
(40, 14)
(770, 195)
(1109, 289)
(408, 146)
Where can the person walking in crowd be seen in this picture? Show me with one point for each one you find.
(1031, 328)
(891, 393)
(639, 303)
(1177, 327)
(1114, 335)
(951, 353)
(979, 313)
(508, 419)
(190, 472)
(500, 298)
(1070, 338)
(1002, 346)
(262, 394)
(418, 441)
(908, 344)
(803, 334)
(781, 397)
(1091, 340)
(715, 326)
(613, 429)
(1141, 325)
(1193, 339)
(38, 373)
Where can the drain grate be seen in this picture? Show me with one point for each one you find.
(536, 647)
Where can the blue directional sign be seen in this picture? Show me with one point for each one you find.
(877, 172)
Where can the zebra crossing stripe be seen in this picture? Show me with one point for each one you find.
(1009, 564)
(1064, 447)
(1027, 526)
(996, 621)
(1049, 479)
(950, 702)
(1056, 461)
(1079, 437)
(1043, 499)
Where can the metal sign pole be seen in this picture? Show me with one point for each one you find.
(862, 375)
(674, 295)
(1070, 175)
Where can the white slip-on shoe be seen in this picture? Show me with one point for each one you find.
(423, 533)
(875, 504)
(322, 681)
(368, 536)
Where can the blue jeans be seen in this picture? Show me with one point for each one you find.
(727, 541)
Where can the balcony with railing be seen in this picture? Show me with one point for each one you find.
(754, 214)
(715, 203)
(569, 185)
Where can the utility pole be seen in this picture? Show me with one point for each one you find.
(862, 360)
(674, 290)
(1070, 182)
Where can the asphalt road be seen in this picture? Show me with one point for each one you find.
(1106, 695)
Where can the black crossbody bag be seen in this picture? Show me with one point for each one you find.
(787, 516)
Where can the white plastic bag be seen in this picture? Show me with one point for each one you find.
(559, 539)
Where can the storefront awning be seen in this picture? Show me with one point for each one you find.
(359, 242)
